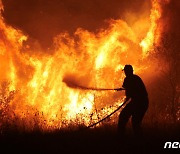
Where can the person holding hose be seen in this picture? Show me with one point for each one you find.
(137, 94)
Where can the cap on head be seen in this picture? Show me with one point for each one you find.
(128, 68)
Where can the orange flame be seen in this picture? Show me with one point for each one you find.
(152, 36)
(95, 60)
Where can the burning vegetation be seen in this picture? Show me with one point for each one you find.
(37, 87)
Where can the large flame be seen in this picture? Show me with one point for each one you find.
(94, 59)
(153, 33)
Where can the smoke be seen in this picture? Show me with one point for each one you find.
(170, 16)
(171, 38)
(73, 82)
(42, 20)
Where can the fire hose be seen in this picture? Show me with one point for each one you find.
(108, 115)
(74, 85)
(97, 89)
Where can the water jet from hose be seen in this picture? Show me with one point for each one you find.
(72, 83)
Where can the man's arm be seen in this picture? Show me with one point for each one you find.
(127, 97)
(119, 89)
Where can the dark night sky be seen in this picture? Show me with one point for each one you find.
(44, 19)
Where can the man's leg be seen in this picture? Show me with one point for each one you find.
(137, 117)
(123, 119)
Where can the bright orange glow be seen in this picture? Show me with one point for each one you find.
(96, 60)
(151, 38)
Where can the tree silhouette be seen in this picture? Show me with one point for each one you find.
(168, 53)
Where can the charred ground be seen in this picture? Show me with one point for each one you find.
(98, 140)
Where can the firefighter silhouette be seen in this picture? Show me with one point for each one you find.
(135, 92)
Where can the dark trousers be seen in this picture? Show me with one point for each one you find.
(136, 109)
